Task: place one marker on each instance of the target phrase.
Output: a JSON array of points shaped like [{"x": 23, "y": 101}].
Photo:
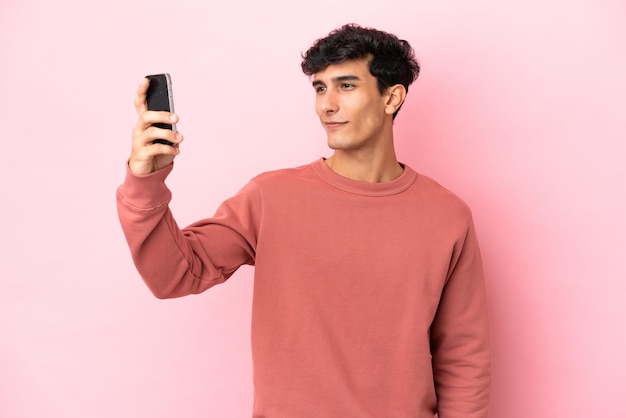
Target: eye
[
  {"x": 320, "y": 89},
  {"x": 347, "y": 86}
]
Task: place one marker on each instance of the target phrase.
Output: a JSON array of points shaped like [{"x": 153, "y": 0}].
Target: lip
[{"x": 333, "y": 125}]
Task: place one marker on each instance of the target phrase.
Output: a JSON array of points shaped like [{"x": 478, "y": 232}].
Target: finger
[
  {"x": 145, "y": 160},
  {"x": 162, "y": 148},
  {"x": 140, "y": 99},
  {"x": 154, "y": 133},
  {"x": 150, "y": 117}
]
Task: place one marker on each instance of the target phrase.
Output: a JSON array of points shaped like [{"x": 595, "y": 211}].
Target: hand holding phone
[
  {"x": 147, "y": 154},
  {"x": 159, "y": 97}
]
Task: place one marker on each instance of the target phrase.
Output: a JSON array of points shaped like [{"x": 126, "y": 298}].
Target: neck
[{"x": 374, "y": 168}]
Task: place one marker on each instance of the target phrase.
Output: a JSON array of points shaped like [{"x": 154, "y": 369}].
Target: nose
[{"x": 327, "y": 103}]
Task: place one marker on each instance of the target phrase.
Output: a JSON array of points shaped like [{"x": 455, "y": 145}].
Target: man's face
[{"x": 350, "y": 106}]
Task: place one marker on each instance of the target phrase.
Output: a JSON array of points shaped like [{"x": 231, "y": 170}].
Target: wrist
[{"x": 140, "y": 168}]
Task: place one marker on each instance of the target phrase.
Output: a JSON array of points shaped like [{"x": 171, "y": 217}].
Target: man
[{"x": 368, "y": 294}]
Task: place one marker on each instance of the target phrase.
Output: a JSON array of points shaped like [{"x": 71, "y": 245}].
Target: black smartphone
[{"x": 159, "y": 97}]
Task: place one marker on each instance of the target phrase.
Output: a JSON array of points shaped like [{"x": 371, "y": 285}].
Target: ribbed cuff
[{"x": 146, "y": 192}]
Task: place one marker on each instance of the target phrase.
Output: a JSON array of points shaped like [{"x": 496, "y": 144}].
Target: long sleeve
[
  {"x": 175, "y": 262},
  {"x": 460, "y": 338}
]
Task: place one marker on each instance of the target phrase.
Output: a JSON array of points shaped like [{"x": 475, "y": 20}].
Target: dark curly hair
[{"x": 393, "y": 60}]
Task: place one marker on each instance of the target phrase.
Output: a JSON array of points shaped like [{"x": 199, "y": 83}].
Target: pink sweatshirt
[{"x": 369, "y": 298}]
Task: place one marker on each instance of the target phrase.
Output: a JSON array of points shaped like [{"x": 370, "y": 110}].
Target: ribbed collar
[{"x": 386, "y": 188}]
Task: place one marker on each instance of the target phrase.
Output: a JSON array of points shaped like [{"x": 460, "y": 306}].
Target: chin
[
  {"x": 338, "y": 143},
  {"x": 347, "y": 146}
]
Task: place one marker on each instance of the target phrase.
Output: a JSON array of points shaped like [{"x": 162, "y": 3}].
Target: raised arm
[{"x": 173, "y": 261}]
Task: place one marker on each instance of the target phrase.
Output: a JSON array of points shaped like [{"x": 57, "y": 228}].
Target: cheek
[
  {"x": 367, "y": 107},
  {"x": 372, "y": 116}
]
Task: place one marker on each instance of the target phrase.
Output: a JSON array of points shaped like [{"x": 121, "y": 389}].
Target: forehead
[{"x": 358, "y": 68}]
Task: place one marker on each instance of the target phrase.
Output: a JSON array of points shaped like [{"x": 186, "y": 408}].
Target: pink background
[{"x": 520, "y": 109}]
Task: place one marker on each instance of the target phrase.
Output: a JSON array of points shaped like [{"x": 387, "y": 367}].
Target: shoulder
[
  {"x": 284, "y": 177},
  {"x": 439, "y": 198}
]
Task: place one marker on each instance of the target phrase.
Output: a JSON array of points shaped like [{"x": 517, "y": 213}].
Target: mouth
[{"x": 333, "y": 125}]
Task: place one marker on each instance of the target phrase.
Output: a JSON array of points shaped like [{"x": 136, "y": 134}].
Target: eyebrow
[{"x": 336, "y": 80}]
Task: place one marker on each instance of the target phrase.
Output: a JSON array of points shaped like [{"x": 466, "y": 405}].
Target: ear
[{"x": 395, "y": 97}]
